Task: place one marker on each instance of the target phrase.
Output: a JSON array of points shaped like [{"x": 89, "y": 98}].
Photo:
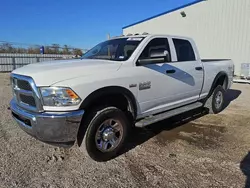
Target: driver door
[{"x": 154, "y": 87}]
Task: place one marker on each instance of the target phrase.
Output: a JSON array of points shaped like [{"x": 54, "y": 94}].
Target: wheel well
[
  {"x": 115, "y": 96},
  {"x": 222, "y": 81},
  {"x": 117, "y": 100}
]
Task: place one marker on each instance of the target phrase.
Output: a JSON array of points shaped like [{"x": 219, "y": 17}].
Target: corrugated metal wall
[
  {"x": 221, "y": 28},
  {"x": 9, "y": 62}
]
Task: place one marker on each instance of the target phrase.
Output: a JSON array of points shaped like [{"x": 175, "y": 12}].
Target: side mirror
[
  {"x": 159, "y": 53},
  {"x": 156, "y": 56},
  {"x": 151, "y": 61}
]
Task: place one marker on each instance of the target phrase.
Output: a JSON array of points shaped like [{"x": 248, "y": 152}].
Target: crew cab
[{"x": 123, "y": 82}]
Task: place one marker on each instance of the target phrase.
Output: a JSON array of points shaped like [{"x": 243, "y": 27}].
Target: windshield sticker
[
  {"x": 121, "y": 57},
  {"x": 135, "y": 39}
]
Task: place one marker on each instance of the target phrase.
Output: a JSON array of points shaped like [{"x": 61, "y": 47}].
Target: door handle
[
  {"x": 172, "y": 71},
  {"x": 198, "y": 68}
]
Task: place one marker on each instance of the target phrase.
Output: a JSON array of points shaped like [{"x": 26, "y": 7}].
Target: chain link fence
[{"x": 9, "y": 61}]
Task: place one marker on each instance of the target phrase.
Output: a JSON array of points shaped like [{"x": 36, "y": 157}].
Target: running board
[{"x": 155, "y": 118}]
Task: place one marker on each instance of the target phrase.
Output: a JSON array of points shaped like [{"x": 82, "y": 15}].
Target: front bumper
[{"x": 56, "y": 128}]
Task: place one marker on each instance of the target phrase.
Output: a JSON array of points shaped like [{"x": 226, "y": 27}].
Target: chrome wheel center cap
[
  {"x": 218, "y": 100},
  {"x": 108, "y": 134}
]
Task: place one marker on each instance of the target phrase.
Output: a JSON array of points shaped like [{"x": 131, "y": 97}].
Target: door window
[
  {"x": 160, "y": 44},
  {"x": 184, "y": 50}
]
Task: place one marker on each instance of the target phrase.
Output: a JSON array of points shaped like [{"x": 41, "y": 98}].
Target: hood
[{"x": 48, "y": 73}]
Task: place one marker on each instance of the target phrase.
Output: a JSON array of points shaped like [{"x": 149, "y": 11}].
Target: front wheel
[
  {"x": 106, "y": 133},
  {"x": 216, "y": 101}
]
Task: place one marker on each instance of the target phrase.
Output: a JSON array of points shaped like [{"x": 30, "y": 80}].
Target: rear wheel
[
  {"x": 216, "y": 101},
  {"x": 106, "y": 133}
]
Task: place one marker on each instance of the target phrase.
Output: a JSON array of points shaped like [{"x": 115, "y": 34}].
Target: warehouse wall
[{"x": 221, "y": 28}]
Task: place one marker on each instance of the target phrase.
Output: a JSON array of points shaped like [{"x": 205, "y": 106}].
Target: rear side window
[{"x": 184, "y": 50}]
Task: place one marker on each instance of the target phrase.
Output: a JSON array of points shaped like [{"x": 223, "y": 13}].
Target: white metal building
[{"x": 220, "y": 28}]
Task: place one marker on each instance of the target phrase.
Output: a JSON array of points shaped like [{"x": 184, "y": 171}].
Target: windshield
[{"x": 116, "y": 49}]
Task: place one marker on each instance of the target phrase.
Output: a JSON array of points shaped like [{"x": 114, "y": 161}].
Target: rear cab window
[{"x": 184, "y": 50}]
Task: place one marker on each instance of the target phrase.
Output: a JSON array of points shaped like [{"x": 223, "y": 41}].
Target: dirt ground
[{"x": 190, "y": 150}]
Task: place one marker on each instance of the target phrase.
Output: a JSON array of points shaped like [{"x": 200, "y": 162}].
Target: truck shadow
[
  {"x": 141, "y": 135},
  {"x": 231, "y": 95},
  {"x": 245, "y": 168}
]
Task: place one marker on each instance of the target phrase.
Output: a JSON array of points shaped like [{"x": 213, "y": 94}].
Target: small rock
[
  {"x": 51, "y": 159},
  {"x": 172, "y": 155},
  {"x": 45, "y": 185},
  {"x": 14, "y": 183},
  {"x": 60, "y": 158},
  {"x": 54, "y": 158},
  {"x": 47, "y": 158}
]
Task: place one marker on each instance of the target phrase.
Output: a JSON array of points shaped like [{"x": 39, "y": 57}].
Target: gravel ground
[{"x": 191, "y": 150}]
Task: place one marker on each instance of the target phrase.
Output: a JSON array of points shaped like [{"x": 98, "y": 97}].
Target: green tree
[
  {"x": 33, "y": 50},
  {"x": 6, "y": 48},
  {"x": 21, "y": 50},
  {"x": 77, "y": 51},
  {"x": 55, "y": 48},
  {"x": 48, "y": 50},
  {"x": 65, "y": 50}
]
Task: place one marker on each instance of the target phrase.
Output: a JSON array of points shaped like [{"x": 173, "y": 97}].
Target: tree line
[{"x": 53, "y": 49}]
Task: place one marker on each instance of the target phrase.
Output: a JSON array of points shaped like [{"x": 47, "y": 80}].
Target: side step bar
[{"x": 155, "y": 118}]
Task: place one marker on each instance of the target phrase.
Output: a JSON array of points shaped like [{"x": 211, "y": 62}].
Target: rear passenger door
[{"x": 188, "y": 71}]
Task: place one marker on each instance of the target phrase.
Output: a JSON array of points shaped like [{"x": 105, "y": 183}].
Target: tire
[
  {"x": 102, "y": 131},
  {"x": 216, "y": 102}
]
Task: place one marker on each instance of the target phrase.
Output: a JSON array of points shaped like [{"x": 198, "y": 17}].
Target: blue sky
[{"x": 78, "y": 23}]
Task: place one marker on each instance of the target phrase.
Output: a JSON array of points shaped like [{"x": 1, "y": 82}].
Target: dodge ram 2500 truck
[{"x": 120, "y": 83}]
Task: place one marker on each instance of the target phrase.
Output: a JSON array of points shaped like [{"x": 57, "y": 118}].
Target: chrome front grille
[
  {"x": 22, "y": 84},
  {"x": 26, "y": 93},
  {"x": 29, "y": 100}
]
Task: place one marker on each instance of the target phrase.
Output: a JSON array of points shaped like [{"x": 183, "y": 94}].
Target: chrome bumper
[{"x": 57, "y": 128}]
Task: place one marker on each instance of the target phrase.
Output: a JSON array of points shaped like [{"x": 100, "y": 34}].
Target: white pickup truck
[{"x": 120, "y": 83}]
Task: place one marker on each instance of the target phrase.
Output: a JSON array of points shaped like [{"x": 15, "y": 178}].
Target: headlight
[{"x": 59, "y": 96}]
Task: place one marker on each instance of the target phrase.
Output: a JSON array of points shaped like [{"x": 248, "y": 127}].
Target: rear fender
[{"x": 215, "y": 82}]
